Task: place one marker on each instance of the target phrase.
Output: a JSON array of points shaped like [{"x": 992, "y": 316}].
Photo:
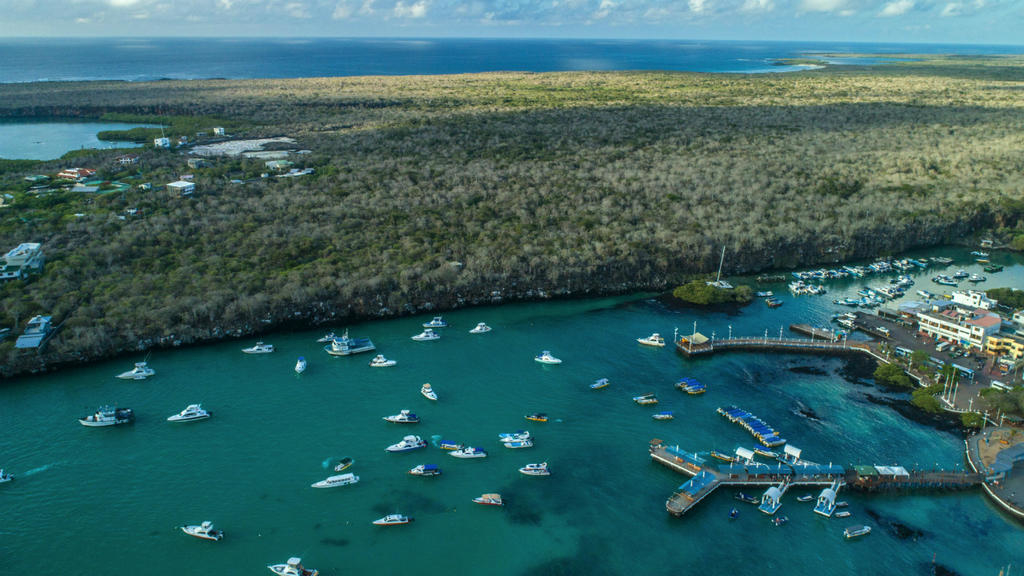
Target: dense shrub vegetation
[{"x": 699, "y": 292}]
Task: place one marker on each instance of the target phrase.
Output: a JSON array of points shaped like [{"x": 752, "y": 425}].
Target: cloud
[
  {"x": 296, "y": 10},
  {"x": 951, "y": 9},
  {"x": 821, "y": 5},
  {"x": 897, "y": 8},
  {"x": 698, "y": 6},
  {"x": 758, "y": 6},
  {"x": 417, "y": 10},
  {"x": 122, "y": 3},
  {"x": 604, "y": 9},
  {"x": 342, "y": 11}
]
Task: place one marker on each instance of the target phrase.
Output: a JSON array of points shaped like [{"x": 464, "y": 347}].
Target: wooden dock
[{"x": 793, "y": 345}]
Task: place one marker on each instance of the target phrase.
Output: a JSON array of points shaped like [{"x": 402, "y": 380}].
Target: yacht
[
  {"x": 403, "y": 417},
  {"x": 652, "y": 340},
  {"x": 489, "y": 500},
  {"x": 392, "y": 520},
  {"x": 437, "y": 322},
  {"x": 481, "y": 328},
  {"x": 428, "y": 392},
  {"x": 140, "y": 372},
  {"x": 599, "y": 383},
  {"x": 5, "y": 477},
  {"x": 292, "y": 568},
  {"x": 206, "y": 531},
  {"x": 346, "y": 346},
  {"x": 537, "y": 417},
  {"x": 407, "y": 443},
  {"x": 536, "y": 469},
  {"x": 379, "y": 361},
  {"x": 513, "y": 436},
  {"x": 108, "y": 416},
  {"x": 335, "y": 481},
  {"x": 426, "y": 470},
  {"x": 300, "y": 365},
  {"x": 524, "y": 443},
  {"x": 426, "y": 336},
  {"x": 344, "y": 463},
  {"x": 545, "y": 357},
  {"x": 193, "y": 412},
  {"x": 855, "y": 531},
  {"x": 259, "y": 348},
  {"x": 468, "y": 452},
  {"x": 326, "y": 338},
  {"x": 666, "y": 415}
]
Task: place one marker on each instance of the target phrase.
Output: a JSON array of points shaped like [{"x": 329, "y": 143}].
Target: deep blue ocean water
[{"x": 137, "y": 59}]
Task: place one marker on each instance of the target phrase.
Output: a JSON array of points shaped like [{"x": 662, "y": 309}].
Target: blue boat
[
  {"x": 600, "y": 383},
  {"x": 449, "y": 445},
  {"x": 733, "y": 514}
]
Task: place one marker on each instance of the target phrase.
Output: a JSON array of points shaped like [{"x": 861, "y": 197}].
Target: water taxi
[
  {"x": 525, "y": 443},
  {"x": 537, "y": 417},
  {"x": 336, "y": 481},
  {"x": 437, "y": 322},
  {"x": 300, "y": 365},
  {"x": 426, "y": 470},
  {"x": 379, "y": 361},
  {"x": 468, "y": 452},
  {"x": 449, "y": 445},
  {"x": 344, "y": 463},
  {"x": 600, "y": 383},
  {"x": 535, "y": 469},
  {"x": 392, "y": 520},
  {"x": 480, "y": 328},
  {"x": 259, "y": 348},
  {"x": 426, "y": 336},
  {"x": 666, "y": 415},
  {"x": 403, "y": 417},
  {"x": 346, "y": 346},
  {"x": 855, "y": 531},
  {"x": 192, "y": 412},
  {"x": 428, "y": 392},
  {"x": 292, "y": 568},
  {"x": 722, "y": 456},
  {"x": 205, "y": 531},
  {"x": 489, "y": 500},
  {"x": 407, "y": 443},
  {"x": 652, "y": 340},
  {"x": 545, "y": 357},
  {"x": 108, "y": 416},
  {"x": 140, "y": 372},
  {"x": 646, "y": 399}
]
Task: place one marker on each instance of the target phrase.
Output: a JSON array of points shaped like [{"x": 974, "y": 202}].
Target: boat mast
[{"x": 720, "y": 262}]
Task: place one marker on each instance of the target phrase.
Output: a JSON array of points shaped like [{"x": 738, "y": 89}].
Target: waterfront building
[
  {"x": 968, "y": 328},
  {"x": 183, "y": 187},
  {"x": 1005, "y": 345},
  {"x": 973, "y": 299},
  {"x": 27, "y": 258}
]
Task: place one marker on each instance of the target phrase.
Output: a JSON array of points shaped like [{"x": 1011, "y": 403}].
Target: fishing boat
[
  {"x": 426, "y": 336},
  {"x": 600, "y": 383},
  {"x": 392, "y": 520},
  {"x": 527, "y": 443},
  {"x": 944, "y": 280},
  {"x": 403, "y": 417},
  {"x": 489, "y": 500},
  {"x": 292, "y": 568},
  {"x": 722, "y": 456},
  {"x": 407, "y": 443},
  {"x": 646, "y": 399},
  {"x": 5, "y": 477},
  {"x": 346, "y": 346},
  {"x": 666, "y": 415},
  {"x": 193, "y": 412},
  {"x": 426, "y": 470},
  {"x": 513, "y": 436},
  {"x": 336, "y": 481},
  {"x": 805, "y": 498},
  {"x": 428, "y": 392},
  {"x": 734, "y": 514},
  {"x": 652, "y": 340},
  {"x": 468, "y": 452},
  {"x": 206, "y": 531},
  {"x": 744, "y": 497},
  {"x": 379, "y": 361},
  {"x": 326, "y": 338},
  {"x": 344, "y": 463},
  {"x": 108, "y": 416},
  {"x": 140, "y": 372},
  {"x": 535, "y": 469},
  {"x": 449, "y": 445},
  {"x": 545, "y": 357},
  {"x": 537, "y": 417},
  {"x": 437, "y": 322},
  {"x": 300, "y": 365},
  {"x": 480, "y": 328},
  {"x": 259, "y": 348},
  {"x": 855, "y": 531},
  {"x": 842, "y": 514}
]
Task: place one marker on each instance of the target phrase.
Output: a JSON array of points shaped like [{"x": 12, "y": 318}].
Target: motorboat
[
  {"x": 326, "y": 338},
  {"x": 536, "y": 469},
  {"x": 140, "y": 372},
  {"x": 744, "y": 497},
  {"x": 437, "y": 322},
  {"x": 392, "y": 520},
  {"x": 407, "y": 443},
  {"x": 855, "y": 531},
  {"x": 527, "y": 443},
  {"x": 545, "y": 357},
  {"x": 259, "y": 348},
  {"x": 765, "y": 452},
  {"x": 489, "y": 500},
  {"x": 468, "y": 452},
  {"x": 108, "y": 416},
  {"x": 345, "y": 463},
  {"x": 426, "y": 336},
  {"x": 537, "y": 417},
  {"x": 336, "y": 481},
  {"x": 5, "y": 477},
  {"x": 426, "y": 470},
  {"x": 379, "y": 361},
  {"x": 514, "y": 436},
  {"x": 646, "y": 399},
  {"x": 666, "y": 415},
  {"x": 449, "y": 445},
  {"x": 805, "y": 498},
  {"x": 773, "y": 302},
  {"x": 193, "y": 412},
  {"x": 480, "y": 328},
  {"x": 842, "y": 514},
  {"x": 979, "y": 254},
  {"x": 976, "y": 278},
  {"x": 292, "y": 568},
  {"x": 346, "y": 346},
  {"x": 206, "y": 531},
  {"x": 722, "y": 456},
  {"x": 960, "y": 274},
  {"x": 428, "y": 392},
  {"x": 652, "y": 340},
  {"x": 600, "y": 383},
  {"x": 300, "y": 365},
  {"x": 403, "y": 417},
  {"x": 734, "y": 514}
]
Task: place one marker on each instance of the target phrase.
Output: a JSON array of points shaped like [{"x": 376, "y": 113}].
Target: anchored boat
[
  {"x": 108, "y": 416},
  {"x": 259, "y": 348},
  {"x": 652, "y": 340},
  {"x": 292, "y": 568},
  {"x": 489, "y": 500},
  {"x": 392, "y": 520},
  {"x": 336, "y": 481},
  {"x": 204, "y": 531},
  {"x": 346, "y": 346},
  {"x": 140, "y": 372}
]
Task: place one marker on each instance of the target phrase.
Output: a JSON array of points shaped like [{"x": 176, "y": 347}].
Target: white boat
[
  {"x": 536, "y": 469},
  {"x": 346, "y": 346},
  {"x": 407, "y": 443},
  {"x": 468, "y": 452},
  {"x": 599, "y": 383},
  {"x": 428, "y": 392},
  {"x": 426, "y": 470},
  {"x": 205, "y": 531},
  {"x": 5, "y": 477},
  {"x": 666, "y": 415},
  {"x": 140, "y": 372},
  {"x": 403, "y": 417},
  {"x": 437, "y": 322},
  {"x": 545, "y": 357},
  {"x": 344, "y": 463},
  {"x": 259, "y": 348},
  {"x": 976, "y": 278},
  {"x": 193, "y": 412},
  {"x": 527, "y": 443},
  {"x": 300, "y": 365},
  {"x": 652, "y": 340},
  {"x": 842, "y": 514},
  {"x": 326, "y": 338},
  {"x": 855, "y": 531},
  {"x": 335, "y": 481},
  {"x": 379, "y": 361},
  {"x": 108, "y": 416},
  {"x": 481, "y": 328},
  {"x": 392, "y": 520},
  {"x": 426, "y": 336},
  {"x": 292, "y": 568},
  {"x": 489, "y": 500},
  {"x": 516, "y": 436}
]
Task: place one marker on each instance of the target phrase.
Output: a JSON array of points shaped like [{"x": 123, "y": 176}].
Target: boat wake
[
  {"x": 327, "y": 463},
  {"x": 435, "y": 440},
  {"x": 40, "y": 469}
]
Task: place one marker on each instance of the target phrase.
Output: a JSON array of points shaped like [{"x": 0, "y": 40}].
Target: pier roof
[
  {"x": 698, "y": 483},
  {"x": 815, "y": 469}
]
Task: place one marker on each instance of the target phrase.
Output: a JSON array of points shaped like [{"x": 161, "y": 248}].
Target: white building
[
  {"x": 1018, "y": 318},
  {"x": 19, "y": 262},
  {"x": 183, "y": 187},
  {"x": 218, "y": 131},
  {"x": 162, "y": 142},
  {"x": 968, "y": 328},
  {"x": 973, "y": 299}
]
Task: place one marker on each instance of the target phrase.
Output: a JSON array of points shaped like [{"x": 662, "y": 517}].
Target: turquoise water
[
  {"x": 98, "y": 497},
  {"x": 51, "y": 140}
]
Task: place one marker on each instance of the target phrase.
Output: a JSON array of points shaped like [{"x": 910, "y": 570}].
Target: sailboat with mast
[{"x": 719, "y": 283}]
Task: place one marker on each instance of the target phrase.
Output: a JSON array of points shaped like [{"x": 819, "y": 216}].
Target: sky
[{"x": 930, "y": 21}]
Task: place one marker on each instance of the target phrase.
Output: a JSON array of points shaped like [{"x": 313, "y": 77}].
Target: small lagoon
[{"x": 52, "y": 139}]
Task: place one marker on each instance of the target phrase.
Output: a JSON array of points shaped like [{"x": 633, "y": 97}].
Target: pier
[{"x": 698, "y": 345}]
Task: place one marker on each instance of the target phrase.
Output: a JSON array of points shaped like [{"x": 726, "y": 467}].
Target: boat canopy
[
  {"x": 818, "y": 469},
  {"x": 892, "y": 470},
  {"x": 744, "y": 453},
  {"x": 793, "y": 451},
  {"x": 773, "y": 494}
]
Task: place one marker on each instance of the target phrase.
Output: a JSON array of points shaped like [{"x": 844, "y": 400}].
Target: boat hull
[{"x": 196, "y": 532}]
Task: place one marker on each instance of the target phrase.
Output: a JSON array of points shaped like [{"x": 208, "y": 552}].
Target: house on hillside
[
  {"x": 218, "y": 131},
  {"x": 26, "y": 259},
  {"x": 36, "y": 332},
  {"x": 196, "y": 163},
  {"x": 76, "y": 174},
  {"x": 182, "y": 187},
  {"x": 162, "y": 142},
  {"x": 279, "y": 165},
  {"x": 127, "y": 159}
]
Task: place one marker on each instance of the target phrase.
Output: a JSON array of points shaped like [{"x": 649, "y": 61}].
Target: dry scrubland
[{"x": 581, "y": 182}]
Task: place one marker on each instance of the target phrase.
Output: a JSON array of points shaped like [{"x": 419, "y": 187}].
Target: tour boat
[
  {"x": 513, "y": 436},
  {"x": 426, "y": 336},
  {"x": 346, "y": 346},
  {"x": 805, "y": 498},
  {"x": 403, "y": 417},
  {"x": 600, "y": 383},
  {"x": 108, "y": 416},
  {"x": 140, "y": 372},
  {"x": 722, "y": 456},
  {"x": 489, "y": 500},
  {"x": 545, "y": 357},
  {"x": 193, "y": 412},
  {"x": 392, "y": 520},
  {"x": 537, "y": 417},
  {"x": 205, "y": 531},
  {"x": 407, "y": 443},
  {"x": 292, "y": 568},
  {"x": 842, "y": 514},
  {"x": 379, "y": 361},
  {"x": 259, "y": 348},
  {"x": 345, "y": 463},
  {"x": 468, "y": 452},
  {"x": 300, "y": 365},
  {"x": 855, "y": 531},
  {"x": 536, "y": 469},
  {"x": 526, "y": 443},
  {"x": 437, "y": 322},
  {"x": 645, "y": 399},
  {"x": 652, "y": 340},
  {"x": 666, "y": 415},
  {"x": 481, "y": 328},
  {"x": 5, "y": 477},
  {"x": 743, "y": 497},
  {"x": 428, "y": 392},
  {"x": 449, "y": 445},
  {"x": 335, "y": 481},
  {"x": 326, "y": 338},
  {"x": 426, "y": 470}
]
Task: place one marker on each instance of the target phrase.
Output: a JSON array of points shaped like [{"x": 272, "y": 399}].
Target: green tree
[
  {"x": 925, "y": 401},
  {"x": 892, "y": 375},
  {"x": 919, "y": 359},
  {"x": 972, "y": 420}
]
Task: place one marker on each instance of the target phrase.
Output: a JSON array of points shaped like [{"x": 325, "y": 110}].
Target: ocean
[
  {"x": 87, "y": 497},
  {"x": 138, "y": 59}
]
